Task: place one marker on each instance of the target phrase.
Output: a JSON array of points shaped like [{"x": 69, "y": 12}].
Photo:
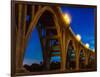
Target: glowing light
[
  {"x": 78, "y": 37},
  {"x": 67, "y": 18},
  {"x": 87, "y": 45}
]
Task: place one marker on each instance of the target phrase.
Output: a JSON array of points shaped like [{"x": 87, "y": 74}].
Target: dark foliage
[{"x": 40, "y": 67}]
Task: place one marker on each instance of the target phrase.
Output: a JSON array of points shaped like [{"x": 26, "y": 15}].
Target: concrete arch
[
  {"x": 37, "y": 17},
  {"x": 91, "y": 54},
  {"x": 91, "y": 60},
  {"x": 68, "y": 45},
  {"x": 73, "y": 45},
  {"x": 84, "y": 53},
  {"x": 79, "y": 57}
]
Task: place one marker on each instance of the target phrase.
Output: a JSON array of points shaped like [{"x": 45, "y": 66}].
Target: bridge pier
[
  {"x": 77, "y": 63},
  {"x": 20, "y": 38},
  {"x": 86, "y": 61},
  {"x": 63, "y": 60},
  {"x": 77, "y": 57}
]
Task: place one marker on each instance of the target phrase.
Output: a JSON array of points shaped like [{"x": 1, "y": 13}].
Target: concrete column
[
  {"x": 21, "y": 42},
  {"x": 33, "y": 12},
  {"x": 63, "y": 55},
  {"x": 86, "y": 56},
  {"x": 62, "y": 35},
  {"x": 18, "y": 38},
  {"x": 77, "y": 58},
  {"x": 66, "y": 51},
  {"x": 47, "y": 58}
]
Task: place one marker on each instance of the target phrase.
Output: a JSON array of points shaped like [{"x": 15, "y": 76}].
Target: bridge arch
[
  {"x": 82, "y": 58},
  {"x": 34, "y": 23},
  {"x": 91, "y": 60},
  {"x": 36, "y": 18},
  {"x": 70, "y": 55}
]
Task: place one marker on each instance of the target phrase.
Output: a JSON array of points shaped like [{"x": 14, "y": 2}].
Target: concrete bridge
[{"x": 57, "y": 34}]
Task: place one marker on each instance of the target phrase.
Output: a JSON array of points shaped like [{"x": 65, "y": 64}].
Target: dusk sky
[{"x": 82, "y": 23}]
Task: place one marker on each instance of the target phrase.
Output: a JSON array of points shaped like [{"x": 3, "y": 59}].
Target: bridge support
[
  {"x": 63, "y": 60},
  {"x": 20, "y": 37},
  {"x": 86, "y": 61},
  {"x": 77, "y": 63},
  {"x": 77, "y": 58}
]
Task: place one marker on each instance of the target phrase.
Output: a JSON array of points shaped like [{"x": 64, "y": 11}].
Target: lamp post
[
  {"x": 87, "y": 45},
  {"x": 67, "y": 18},
  {"x": 78, "y": 37}
]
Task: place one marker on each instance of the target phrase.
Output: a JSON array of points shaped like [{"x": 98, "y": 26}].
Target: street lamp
[
  {"x": 87, "y": 45},
  {"x": 78, "y": 37},
  {"x": 67, "y": 18}
]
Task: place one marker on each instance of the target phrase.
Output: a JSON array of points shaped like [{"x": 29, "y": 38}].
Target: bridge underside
[{"x": 56, "y": 39}]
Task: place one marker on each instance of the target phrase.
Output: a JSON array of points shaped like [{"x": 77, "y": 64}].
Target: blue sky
[{"x": 82, "y": 22}]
